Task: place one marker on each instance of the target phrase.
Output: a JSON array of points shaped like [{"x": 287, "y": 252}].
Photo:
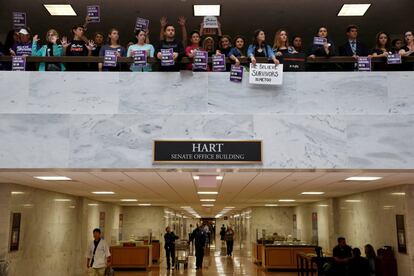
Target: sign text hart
[{"x": 207, "y": 151}]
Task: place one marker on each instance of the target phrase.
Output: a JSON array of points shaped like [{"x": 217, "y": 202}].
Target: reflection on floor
[{"x": 215, "y": 264}]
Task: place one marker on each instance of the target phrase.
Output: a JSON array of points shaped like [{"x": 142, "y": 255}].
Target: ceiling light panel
[
  {"x": 354, "y": 9},
  {"x": 60, "y": 9}
]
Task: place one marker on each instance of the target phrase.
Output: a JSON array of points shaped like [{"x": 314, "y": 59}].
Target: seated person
[
  {"x": 341, "y": 253},
  {"x": 358, "y": 266}
]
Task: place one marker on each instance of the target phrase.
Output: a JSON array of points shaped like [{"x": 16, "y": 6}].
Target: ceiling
[
  {"x": 301, "y": 17},
  {"x": 240, "y": 188}
]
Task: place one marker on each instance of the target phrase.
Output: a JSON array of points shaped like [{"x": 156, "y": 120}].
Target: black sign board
[
  {"x": 401, "y": 238},
  {"x": 293, "y": 62},
  {"x": 207, "y": 151}
]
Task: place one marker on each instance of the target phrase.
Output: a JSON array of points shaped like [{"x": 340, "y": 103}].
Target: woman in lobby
[
  {"x": 141, "y": 45},
  {"x": 408, "y": 49},
  {"x": 169, "y": 246},
  {"x": 229, "y": 240},
  {"x": 238, "y": 51},
  {"x": 113, "y": 45},
  {"x": 259, "y": 48}
]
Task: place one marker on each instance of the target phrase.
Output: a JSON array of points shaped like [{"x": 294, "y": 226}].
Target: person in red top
[{"x": 194, "y": 46}]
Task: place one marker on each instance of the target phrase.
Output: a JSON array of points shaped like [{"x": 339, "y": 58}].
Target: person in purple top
[{"x": 23, "y": 47}]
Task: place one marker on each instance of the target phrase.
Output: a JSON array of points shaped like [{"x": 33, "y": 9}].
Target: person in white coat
[{"x": 98, "y": 255}]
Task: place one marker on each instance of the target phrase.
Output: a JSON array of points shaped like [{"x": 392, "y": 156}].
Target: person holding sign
[
  {"x": 224, "y": 45},
  {"x": 141, "y": 45},
  {"x": 238, "y": 51},
  {"x": 170, "y": 42},
  {"x": 353, "y": 47},
  {"x": 322, "y": 47},
  {"x": 260, "y": 48},
  {"x": 195, "y": 46},
  {"x": 181, "y": 21},
  {"x": 23, "y": 47},
  {"x": 50, "y": 49},
  {"x": 281, "y": 44},
  {"x": 113, "y": 45}
]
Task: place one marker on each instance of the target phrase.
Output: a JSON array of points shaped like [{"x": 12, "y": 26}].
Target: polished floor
[{"x": 215, "y": 264}]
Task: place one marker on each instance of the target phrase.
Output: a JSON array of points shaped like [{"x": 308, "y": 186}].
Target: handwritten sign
[
  {"x": 394, "y": 59},
  {"x": 19, "y": 20},
  {"x": 219, "y": 63},
  {"x": 18, "y": 63},
  {"x": 210, "y": 22},
  {"x": 142, "y": 24},
  {"x": 200, "y": 60},
  {"x": 140, "y": 57},
  {"x": 236, "y": 73},
  {"x": 364, "y": 64},
  {"x": 110, "y": 58},
  {"x": 94, "y": 13},
  {"x": 167, "y": 57},
  {"x": 266, "y": 74}
]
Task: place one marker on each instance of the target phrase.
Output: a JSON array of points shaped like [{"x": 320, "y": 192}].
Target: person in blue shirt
[
  {"x": 238, "y": 51},
  {"x": 50, "y": 49},
  {"x": 259, "y": 48}
]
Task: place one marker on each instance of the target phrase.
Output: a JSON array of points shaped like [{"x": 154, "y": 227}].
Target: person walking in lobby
[
  {"x": 199, "y": 237},
  {"x": 229, "y": 240},
  {"x": 98, "y": 255},
  {"x": 169, "y": 246}
]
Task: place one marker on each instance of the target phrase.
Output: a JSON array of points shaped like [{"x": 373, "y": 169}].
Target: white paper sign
[
  {"x": 210, "y": 22},
  {"x": 266, "y": 74}
]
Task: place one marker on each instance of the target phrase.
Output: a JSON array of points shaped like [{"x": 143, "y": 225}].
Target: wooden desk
[
  {"x": 283, "y": 256},
  {"x": 131, "y": 257},
  {"x": 156, "y": 252},
  {"x": 257, "y": 252}
]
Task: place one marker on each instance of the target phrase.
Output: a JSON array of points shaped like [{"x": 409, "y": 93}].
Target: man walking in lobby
[
  {"x": 199, "y": 237},
  {"x": 98, "y": 255}
]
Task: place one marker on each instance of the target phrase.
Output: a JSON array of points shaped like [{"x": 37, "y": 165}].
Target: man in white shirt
[{"x": 98, "y": 255}]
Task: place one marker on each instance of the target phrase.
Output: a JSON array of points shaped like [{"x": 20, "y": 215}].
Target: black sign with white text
[{"x": 220, "y": 151}]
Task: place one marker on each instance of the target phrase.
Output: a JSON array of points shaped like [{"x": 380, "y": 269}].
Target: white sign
[
  {"x": 210, "y": 22},
  {"x": 266, "y": 74}
]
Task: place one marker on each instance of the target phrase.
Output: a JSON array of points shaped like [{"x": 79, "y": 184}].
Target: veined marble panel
[
  {"x": 401, "y": 92},
  {"x": 166, "y": 93}
]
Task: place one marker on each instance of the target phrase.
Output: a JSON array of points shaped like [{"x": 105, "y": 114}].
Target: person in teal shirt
[
  {"x": 144, "y": 46},
  {"x": 47, "y": 50}
]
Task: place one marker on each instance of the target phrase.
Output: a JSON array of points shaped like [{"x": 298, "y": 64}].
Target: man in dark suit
[
  {"x": 353, "y": 47},
  {"x": 199, "y": 238}
]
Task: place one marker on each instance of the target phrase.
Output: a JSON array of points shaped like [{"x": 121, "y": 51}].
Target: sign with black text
[
  {"x": 266, "y": 74},
  {"x": 142, "y": 24},
  {"x": 206, "y": 151},
  {"x": 210, "y": 22}
]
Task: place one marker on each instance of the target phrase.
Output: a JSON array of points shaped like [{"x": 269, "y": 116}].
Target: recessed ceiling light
[
  {"x": 286, "y": 200},
  {"x": 60, "y": 9},
  {"x": 144, "y": 204},
  {"x": 207, "y": 193},
  {"x": 353, "y": 9},
  {"x": 62, "y": 199},
  {"x": 207, "y": 200},
  {"x": 312, "y": 193},
  {"x": 129, "y": 200},
  {"x": 323, "y": 205},
  {"x": 206, "y": 10},
  {"x": 363, "y": 178},
  {"x": 196, "y": 177},
  {"x": 353, "y": 200},
  {"x": 93, "y": 204},
  {"x": 271, "y": 205},
  {"x": 230, "y": 207},
  {"x": 17, "y": 193},
  {"x": 207, "y": 205},
  {"x": 185, "y": 207},
  {"x": 219, "y": 177},
  {"x": 398, "y": 194},
  {"x": 53, "y": 178},
  {"x": 218, "y": 216},
  {"x": 103, "y": 193}
]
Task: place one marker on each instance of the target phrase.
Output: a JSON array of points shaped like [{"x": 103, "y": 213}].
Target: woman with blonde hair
[
  {"x": 50, "y": 49},
  {"x": 208, "y": 46},
  {"x": 281, "y": 44}
]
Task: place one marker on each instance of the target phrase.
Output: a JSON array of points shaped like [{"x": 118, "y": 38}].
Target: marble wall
[
  {"x": 271, "y": 219},
  {"x": 330, "y": 120},
  {"x": 364, "y": 218},
  {"x": 324, "y": 210},
  {"x": 55, "y": 230}
]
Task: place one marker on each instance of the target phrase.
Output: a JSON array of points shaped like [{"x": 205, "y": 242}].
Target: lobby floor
[{"x": 215, "y": 264}]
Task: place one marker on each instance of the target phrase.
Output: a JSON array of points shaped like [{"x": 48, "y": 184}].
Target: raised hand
[
  {"x": 90, "y": 45},
  {"x": 182, "y": 20},
  {"x": 164, "y": 21},
  {"x": 36, "y": 38}
]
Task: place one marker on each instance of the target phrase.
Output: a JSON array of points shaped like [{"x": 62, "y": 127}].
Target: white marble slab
[{"x": 401, "y": 92}]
